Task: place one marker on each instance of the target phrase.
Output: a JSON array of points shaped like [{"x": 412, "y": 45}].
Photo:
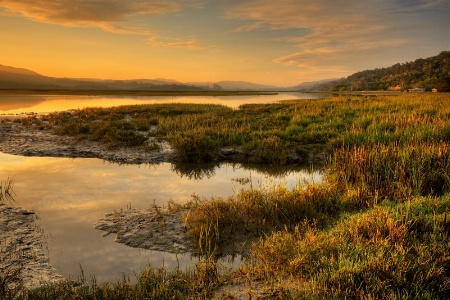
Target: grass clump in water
[
  {"x": 150, "y": 283},
  {"x": 257, "y": 211},
  {"x": 7, "y": 190}
]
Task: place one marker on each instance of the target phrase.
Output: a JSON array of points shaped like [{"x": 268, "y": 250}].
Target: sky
[{"x": 280, "y": 43}]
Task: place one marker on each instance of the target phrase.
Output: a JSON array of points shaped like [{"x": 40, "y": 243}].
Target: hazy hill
[
  {"x": 428, "y": 73},
  {"x": 13, "y": 70},
  {"x": 306, "y": 86},
  {"x": 235, "y": 86},
  {"x": 17, "y": 78}
]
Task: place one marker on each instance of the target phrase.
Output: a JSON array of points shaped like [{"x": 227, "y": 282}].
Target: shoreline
[
  {"x": 134, "y": 92},
  {"x": 18, "y": 139}
]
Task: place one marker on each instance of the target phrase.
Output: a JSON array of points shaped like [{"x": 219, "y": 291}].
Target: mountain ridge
[
  {"x": 21, "y": 78},
  {"x": 14, "y": 70}
]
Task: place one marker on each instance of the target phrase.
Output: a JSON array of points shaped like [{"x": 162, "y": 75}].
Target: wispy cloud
[
  {"x": 88, "y": 13},
  {"x": 109, "y": 15},
  {"x": 191, "y": 44},
  {"x": 337, "y": 33}
]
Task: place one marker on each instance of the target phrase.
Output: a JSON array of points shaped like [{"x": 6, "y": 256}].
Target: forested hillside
[{"x": 429, "y": 73}]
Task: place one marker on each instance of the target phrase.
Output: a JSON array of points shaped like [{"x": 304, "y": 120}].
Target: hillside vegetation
[{"x": 429, "y": 73}]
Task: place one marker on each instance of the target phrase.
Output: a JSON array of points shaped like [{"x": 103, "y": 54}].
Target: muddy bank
[
  {"x": 18, "y": 139},
  {"x": 22, "y": 247},
  {"x": 15, "y": 138},
  {"x": 148, "y": 229},
  {"x": 161, "y": 230}
]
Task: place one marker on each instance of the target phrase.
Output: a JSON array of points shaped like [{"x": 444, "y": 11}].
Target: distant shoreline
[{"x": 135, "y": 92}]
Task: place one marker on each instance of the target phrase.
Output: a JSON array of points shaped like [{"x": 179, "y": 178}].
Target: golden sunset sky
[{"x": 281, "y": 42}]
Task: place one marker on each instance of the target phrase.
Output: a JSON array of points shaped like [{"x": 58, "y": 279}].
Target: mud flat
[
  {"x": 148, "y": 229},
  {"x": 161, "y": 230},
  {"x": 15, "y": 138},
  {"x": 22, "y": 248}
]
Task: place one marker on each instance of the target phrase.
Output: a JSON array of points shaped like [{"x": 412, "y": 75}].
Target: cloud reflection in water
[{"x": 70, "y": 195}]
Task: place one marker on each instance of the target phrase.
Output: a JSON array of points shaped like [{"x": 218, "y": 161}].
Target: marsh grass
[
  {"x": 377, "y": 227},
  {"x": 150, "y": 283},
  {"x": 395, "y": 172},
  {"x": 254, "y": 212},
  {"x": 10, "y": 276},
  {"x": 7, "y": 190},
  {"x": 198, "y": 131},
  {"x": 389, "y": 252},
  {"x": 11, "y": 284}
]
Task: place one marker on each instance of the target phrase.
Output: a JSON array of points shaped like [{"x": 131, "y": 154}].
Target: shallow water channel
[{"x": 70, "y": 195}]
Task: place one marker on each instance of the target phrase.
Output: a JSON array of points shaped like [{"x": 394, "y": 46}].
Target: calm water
[
  {"x": 15, "y": 104},
  {"x": 69, "y": 195}
]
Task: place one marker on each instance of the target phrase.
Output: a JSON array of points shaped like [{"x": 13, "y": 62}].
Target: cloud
[
  {"x": 109, "y": 15},
  {"x": 341, "y": 33},
  {"x": 191, "y": 44},
  {"x": 417, "y": 5},
  {"x": 86, "y": 12}
]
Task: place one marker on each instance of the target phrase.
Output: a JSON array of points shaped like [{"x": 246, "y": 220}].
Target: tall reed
[
  {"x": 394, "y": 171},
  {"x": 377, "y": 254},
  {"x": 7, "y": 190}
]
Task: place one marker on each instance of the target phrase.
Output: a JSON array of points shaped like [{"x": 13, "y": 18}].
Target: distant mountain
[
  {"x": 235, "y": 86},
  {"x": 13, "y": 70},
  {"x": 16, "y": 78},
  {"x": 242, "y": 85},
  {"x": 156, "y": 81},
  {"x": 306, "y": 86},
  {"x": 428, "y": 73}
]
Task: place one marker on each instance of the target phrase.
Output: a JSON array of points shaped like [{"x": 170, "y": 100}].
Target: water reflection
[
  {"x": 14, "y": 104},
  {"x": 69, "y": 195},
  {"x": 195, "y": 171}
]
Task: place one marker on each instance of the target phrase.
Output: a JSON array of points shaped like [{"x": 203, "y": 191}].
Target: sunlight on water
[
  {"x": 70, "y": 195},
  {"x": 16, "y": 104}
]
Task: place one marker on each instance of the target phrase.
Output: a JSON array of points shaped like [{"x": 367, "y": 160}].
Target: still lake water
[
  {"x": 16, "y": 104},
  {"x": 70, "y": 195}
]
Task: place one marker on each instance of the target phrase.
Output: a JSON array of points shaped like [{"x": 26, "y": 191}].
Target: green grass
[
  {"x": 376, "y": 228},
  {"x": 388, "y": 252},
  {"x": 198, "y": 132}
]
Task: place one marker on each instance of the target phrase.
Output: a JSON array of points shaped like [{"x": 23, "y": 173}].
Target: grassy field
[{"x": 377, "y": 227}]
